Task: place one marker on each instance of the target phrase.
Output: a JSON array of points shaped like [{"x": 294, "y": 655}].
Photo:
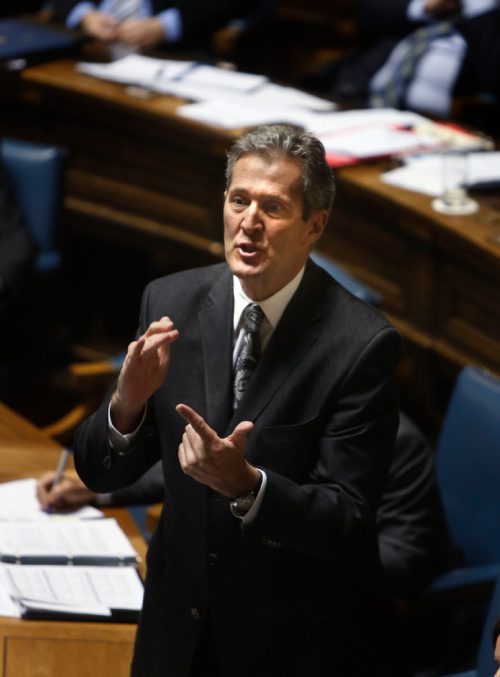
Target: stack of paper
[
  {"x": 36, "y": 550},
  {"x": 62, "y": 592}
]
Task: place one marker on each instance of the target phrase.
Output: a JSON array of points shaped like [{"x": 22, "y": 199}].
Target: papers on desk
[
  {"x": 18, "y": 501},
  {"x": 80, "y": 542},
  {"x": 83, "y": 593},
  {"x": 36, "y": 549},
  {"x": 224, "y": 98},
  {"x": 136, "y": 70},
  {"x": 233, "y": 100},
  {"x": 187, "y": 79},
  {"x": 425, "y": 175}
]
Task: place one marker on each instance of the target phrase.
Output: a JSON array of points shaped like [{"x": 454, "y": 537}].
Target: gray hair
[{"x": 270, "y": 141}]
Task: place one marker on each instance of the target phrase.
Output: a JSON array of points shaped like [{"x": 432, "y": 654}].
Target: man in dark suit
[
  {"x": 265, "y": 560},
  {"x": 148, "y": 23}
]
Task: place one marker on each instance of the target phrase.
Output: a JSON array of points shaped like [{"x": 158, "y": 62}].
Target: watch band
[{"x": 240, "y": 505}]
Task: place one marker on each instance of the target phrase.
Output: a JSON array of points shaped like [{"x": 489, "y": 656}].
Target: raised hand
[
  {"x": 143, "y": 372},
  {"x": 219, "y": 463}
]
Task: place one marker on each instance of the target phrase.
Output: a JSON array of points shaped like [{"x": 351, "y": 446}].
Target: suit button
[
  {"x": 106, "y": 461},
  {"x": 212, "y": 559},
  {"x": 195, "y": 613}
]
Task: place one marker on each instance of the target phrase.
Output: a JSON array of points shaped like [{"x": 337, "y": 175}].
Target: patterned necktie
[
  {"x": 249, "y": 354},
  {"x": 390, "y": 84},
  {"x": 124, "y": 9}
]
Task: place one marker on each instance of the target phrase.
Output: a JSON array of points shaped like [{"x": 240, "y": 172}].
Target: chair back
[
  {"x": 468, "y": 466},
  {"x": 486, "y": 666},
  {"x": 347, "y": 280},
  {"x": 37, "y": 171}
]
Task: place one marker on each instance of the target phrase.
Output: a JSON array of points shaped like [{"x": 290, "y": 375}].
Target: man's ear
[{"x": 317, "y": 224}]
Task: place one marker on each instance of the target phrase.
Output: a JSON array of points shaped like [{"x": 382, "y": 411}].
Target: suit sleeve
[
  {"x": 409, "y": 517},
  {"x": 333, "y": 514},
  {"x": 98, "y": 464},
  {"x": 62, "y": 8},
  {"x": 148, "y": 489},
  {"x": 200, "y": 18}
]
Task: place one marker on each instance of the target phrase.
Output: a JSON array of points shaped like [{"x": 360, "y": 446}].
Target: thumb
[{"x": 239, "y": 435}]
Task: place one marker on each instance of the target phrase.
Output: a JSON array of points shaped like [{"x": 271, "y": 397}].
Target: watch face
[{"x": 241, "y": 505}]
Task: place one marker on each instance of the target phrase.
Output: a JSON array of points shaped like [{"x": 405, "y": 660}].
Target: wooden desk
[
  {"x": 139, "y": 174},
  {"x": 49, "y": 648},
  {"x": 439, "y": 276},
  {"x": 136, "y": 169}
]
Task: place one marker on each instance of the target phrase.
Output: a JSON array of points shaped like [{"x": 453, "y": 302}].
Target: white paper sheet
[
  {"x": 18, "y": 501},
  {"x": 425, "y": 174}
]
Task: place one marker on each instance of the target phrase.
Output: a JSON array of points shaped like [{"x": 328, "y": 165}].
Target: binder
[
  {"x": 61, "y": 542},
  {"x": 69, "y": 569},
  {"x": 60, "y": 592}
]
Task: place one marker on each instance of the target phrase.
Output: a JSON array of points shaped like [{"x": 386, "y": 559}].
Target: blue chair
[
  {"x": 37, "y": 172},
  {"x": 347, "y": 280},
  {"x": 486, "y": 662},
  {"x": 468, "y": 472}
]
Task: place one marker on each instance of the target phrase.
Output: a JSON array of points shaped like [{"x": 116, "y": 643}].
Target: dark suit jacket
[
  {"x": 413, "y": 539},
  {"x": 299, "y": 591},
  {"x": 199, "y": 17}
]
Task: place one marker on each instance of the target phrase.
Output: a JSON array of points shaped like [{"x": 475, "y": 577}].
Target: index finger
[{"x": 197, "y": 422}]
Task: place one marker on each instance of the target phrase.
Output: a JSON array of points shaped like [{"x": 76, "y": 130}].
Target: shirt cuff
[
  {"x": 75, "y": 17},
  {"x": 171, "y": 22},
  {"x": 121, "y": 443},
  {"x": 472, "y": 8},
  {"x": 103, "y": 500},
  {"x": 252, "y": 513},
  {"x": 416, "y": 11}
]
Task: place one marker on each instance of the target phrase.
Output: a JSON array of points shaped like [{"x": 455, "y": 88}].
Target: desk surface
[{"x": 48, "y": 648}]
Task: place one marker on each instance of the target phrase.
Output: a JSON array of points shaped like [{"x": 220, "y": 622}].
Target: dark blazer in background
[
  {"x": 414, "y": 542},
  {"x": 300, "y": 590}
]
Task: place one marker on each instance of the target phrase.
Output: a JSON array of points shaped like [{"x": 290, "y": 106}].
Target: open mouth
[{"x": 247, "y": 248}]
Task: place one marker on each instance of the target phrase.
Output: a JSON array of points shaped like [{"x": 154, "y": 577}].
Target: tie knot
[{"x": 252, "y": 318}]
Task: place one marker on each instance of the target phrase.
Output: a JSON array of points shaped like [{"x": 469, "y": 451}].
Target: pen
[{"x": 61, "y": 466}]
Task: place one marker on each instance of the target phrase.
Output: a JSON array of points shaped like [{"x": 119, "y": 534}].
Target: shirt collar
[{"x": 273, "y": 307}]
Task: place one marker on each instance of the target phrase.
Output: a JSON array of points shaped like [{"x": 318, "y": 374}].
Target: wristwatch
[{"x": 240, "y": 505}]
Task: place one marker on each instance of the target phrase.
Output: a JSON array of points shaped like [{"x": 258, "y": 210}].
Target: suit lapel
[
  {"x": 283, "y": 356},
  {"x": 216, "y": 329}
]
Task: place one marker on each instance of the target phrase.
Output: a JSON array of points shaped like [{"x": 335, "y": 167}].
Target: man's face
[{"x": 266, "y": 238}]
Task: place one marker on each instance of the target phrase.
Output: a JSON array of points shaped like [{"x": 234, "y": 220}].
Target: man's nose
[{"x": 252, "y": 218}]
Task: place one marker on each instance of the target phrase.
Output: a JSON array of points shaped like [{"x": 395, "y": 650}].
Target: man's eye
[
  {"x": 238, "y": 201},
  {"x": 274, "y": 208}
]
